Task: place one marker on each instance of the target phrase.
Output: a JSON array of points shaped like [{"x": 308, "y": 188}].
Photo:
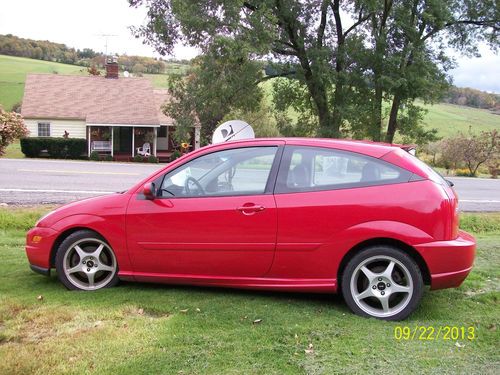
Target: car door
[{"x": 213, "y": 216}]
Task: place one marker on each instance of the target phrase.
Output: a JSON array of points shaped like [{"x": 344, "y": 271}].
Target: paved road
[{"x": 32, "y": 181}]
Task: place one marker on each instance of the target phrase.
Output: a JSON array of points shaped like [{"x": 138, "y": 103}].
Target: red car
[{"x": 314, "y": 215}]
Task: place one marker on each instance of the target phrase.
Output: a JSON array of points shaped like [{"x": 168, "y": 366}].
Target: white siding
[{"x": 75, "y": 128}]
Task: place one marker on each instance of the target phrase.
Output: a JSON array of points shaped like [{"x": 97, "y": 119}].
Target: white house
[{"x": 116, "y": 115}]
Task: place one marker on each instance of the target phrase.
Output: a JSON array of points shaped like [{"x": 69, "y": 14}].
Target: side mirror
[{"x": 149, "y": 191}]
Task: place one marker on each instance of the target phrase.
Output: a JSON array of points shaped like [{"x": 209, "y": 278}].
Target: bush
[
  {"x": 152, "y": 159},
  {"x": 175, "y": 155},
  {"x": 57, "y": 148},
  {"x": 94, "y": 155},
  {"x": 107, "y": 158},
  {"x": 138, "y": 159},
  {"x": 463, "y": 172}
]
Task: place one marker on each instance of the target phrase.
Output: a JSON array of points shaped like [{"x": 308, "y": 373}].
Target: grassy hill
[
  {"x": 447, "y": 118},
  {"x": 13, "y": 72}
]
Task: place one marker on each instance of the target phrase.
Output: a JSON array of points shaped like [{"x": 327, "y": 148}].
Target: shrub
[
  {"x": 463, "y": 172},
  {"x": 11, "y": 127},
  {"x": 107, "y": 158},
  {"x": 59, "y": 148},
  {"x": 175, "y": 155},
  {"x": 138, "y": 159},
  {"x": 152, "y": 159},
  {"x": 94, "y": 155}
]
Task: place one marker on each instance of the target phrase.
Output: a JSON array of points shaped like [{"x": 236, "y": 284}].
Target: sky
[{"x": 82, "y": 24}]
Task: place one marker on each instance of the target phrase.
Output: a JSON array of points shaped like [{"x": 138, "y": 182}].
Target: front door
[{"x": 213, "y": 216}]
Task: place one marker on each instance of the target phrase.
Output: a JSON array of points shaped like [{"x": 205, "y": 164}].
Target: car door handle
[{"x": 250, "y": 209}]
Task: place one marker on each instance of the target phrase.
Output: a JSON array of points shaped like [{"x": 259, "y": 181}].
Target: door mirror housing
[{"x": 149, "y": 191}]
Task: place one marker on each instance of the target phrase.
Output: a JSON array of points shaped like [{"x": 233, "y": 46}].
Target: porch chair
[{"x": 145, "y": 150}]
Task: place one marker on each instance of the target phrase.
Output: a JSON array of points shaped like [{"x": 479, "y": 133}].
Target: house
[{"x": 116, "y": 115}]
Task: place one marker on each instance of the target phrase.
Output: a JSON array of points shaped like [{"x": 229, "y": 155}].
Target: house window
[
  {"x": 44, "y": 129},
  {"x": 162, "y": 132}
]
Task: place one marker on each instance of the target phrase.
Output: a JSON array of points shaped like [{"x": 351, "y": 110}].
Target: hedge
[{"x": 57, "y": 148}]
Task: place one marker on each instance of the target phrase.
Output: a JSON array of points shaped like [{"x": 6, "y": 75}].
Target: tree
[
  {"x": 11, "y": 128},
  {"x": 220, "y": 81},
  {"x": 340, "y": 60},
  {"x": 472, "y": 150}
]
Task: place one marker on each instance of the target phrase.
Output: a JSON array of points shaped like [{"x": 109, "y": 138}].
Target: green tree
[
  {"x": 218, "y": 82},
  {"x": 340, "y": 59}
]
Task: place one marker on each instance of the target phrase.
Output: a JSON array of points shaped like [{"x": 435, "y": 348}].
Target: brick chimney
[{"x": 112, "y": 67}]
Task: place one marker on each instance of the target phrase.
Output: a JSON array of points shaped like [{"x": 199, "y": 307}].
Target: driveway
[{"x": 35, "y": 181}]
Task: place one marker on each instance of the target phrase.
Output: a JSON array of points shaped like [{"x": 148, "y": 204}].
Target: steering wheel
[{"x": 200, "y": 191}]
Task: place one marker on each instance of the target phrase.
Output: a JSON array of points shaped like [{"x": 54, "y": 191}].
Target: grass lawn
[
  {"x": 13, "y": 151},
  {"x": 147, "y": 328}
]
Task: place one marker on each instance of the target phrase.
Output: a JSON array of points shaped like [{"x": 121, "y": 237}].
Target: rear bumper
[
  {"x": 449, "y": 262},
  {"x": 39, "y": 242}
]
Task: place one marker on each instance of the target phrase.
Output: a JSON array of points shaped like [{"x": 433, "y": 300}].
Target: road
[{"x": 34, "y": 181}]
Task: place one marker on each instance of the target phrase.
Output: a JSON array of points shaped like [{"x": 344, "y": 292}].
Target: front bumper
[
  {"x": 449, "y": 262},
  {"x": 39, "y": 242}
]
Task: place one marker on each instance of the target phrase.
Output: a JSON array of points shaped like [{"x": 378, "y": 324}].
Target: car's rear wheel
[
  {"x": 382, "y": 282},
  {"x": 85, "y": 261}
]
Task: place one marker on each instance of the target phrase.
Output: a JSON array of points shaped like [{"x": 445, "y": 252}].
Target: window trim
[
  {"x": 282, "y": 187},
  {"x": 47, "y": 123},
  {"x": 270, "y": 183}
]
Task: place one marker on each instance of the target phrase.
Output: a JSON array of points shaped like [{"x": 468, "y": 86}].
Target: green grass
[
  {"x": 146, "y": 328},
  {"x": 13, "y": 151},
  {"x": 450, "y": 119},
  {"x": 13, "y": 72}
]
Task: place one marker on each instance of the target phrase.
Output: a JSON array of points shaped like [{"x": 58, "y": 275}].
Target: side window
[
  {"x": 243, "y": 171},
  {"x": 314, "y": 168},
  {"x": 44, "y": 129}
]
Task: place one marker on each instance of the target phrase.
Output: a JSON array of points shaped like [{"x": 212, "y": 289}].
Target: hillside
[{"x": 447, "y": 118}]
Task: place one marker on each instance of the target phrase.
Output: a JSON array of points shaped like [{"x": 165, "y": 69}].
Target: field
[
  {"x": 13, "y": 72},
  {"x": 147, "y": 328}
]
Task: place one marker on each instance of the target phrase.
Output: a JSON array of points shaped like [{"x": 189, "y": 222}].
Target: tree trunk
[{"x": 393, "y": 119}]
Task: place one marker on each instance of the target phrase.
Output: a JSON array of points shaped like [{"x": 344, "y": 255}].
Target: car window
[
  {"x": 242, "y": 171},
  {"x": 314, "y": 168}
]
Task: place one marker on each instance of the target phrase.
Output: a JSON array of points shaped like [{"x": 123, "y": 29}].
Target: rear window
[{"x": 432, "y": 174}]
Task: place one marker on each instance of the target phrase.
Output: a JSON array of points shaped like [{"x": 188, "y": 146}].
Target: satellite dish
[
  {"x": 232, "y": 130},
  {"x": 126, "y": 74}
]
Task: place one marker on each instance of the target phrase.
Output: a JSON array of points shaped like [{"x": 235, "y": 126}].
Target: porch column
[
  {"x": 196, "y": 137},
  {"x": 112, "y": 141},
  {"x": 88, "y": 140},
  {"x": 155, "y": 140},
  {"x": 133, "y": 141}
]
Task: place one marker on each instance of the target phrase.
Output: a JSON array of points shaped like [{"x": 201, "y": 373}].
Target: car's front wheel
[
  {"x": 85, "y": 261},
  {"x": 382, "y": 282}
]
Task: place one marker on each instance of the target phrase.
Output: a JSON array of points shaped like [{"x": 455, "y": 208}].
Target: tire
[
  {"x": 85, "y": 261},
  {"x": 382, "y": 282}
]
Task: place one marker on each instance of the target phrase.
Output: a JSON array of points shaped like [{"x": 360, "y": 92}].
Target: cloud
[{"x": 481, "y": 73}]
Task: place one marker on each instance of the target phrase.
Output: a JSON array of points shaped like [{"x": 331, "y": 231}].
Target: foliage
[
  {"x": 261, "y": 120},
  {"x": 471, "y": 150},
  {"x": 138, "y": 159},
  {"x": 152, "y": 159},
  {"x": 93, "y": 71},
  {"x": 340, "y": 60},
  {"x": 472, "y": 98},
  {"x": 57, "y": 148},
  {"x": 221, "y": 80},
  {"x": 11, "y": 128},
  {"x": 94, "y": 156}
]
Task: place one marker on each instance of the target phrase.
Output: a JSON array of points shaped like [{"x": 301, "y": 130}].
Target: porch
[{"x": 123, "y": 142}]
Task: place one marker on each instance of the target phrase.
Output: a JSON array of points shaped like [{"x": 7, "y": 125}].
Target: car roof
[{"x": 374, "y": 149}]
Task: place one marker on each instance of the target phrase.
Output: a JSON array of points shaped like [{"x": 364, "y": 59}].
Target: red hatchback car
[{"x": 314, "y": 215}]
